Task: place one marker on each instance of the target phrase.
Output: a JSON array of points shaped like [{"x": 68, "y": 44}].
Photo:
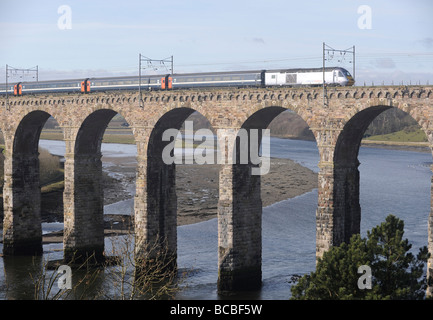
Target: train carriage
[
  {"x": 309, "y": 77},
  {"x": 217, "y": 79},
  {"x": 262, "y": 78},
  {"x": 125, "y": 83}
]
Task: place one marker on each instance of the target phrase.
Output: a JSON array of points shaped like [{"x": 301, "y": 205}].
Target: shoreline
[
  {"x": 385, "y": 144},
  {"x": 395, "y": 145},
  {"x": 198, "y": 199},
  {"x": 197, "y": 188}
]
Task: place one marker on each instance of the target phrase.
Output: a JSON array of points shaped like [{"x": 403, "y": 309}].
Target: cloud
[
  {"x": 384, "y": 63},
  {"x": 259, "y": 40},
  {"x": 426, "y": 42}
]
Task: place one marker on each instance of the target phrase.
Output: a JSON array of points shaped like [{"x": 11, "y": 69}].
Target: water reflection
[{"x": 18, "y": 273}]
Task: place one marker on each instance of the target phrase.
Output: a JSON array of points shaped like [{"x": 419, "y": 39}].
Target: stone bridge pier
[{"x": 234, "y": 114}]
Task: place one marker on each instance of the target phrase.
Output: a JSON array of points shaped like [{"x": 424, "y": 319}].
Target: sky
[{"x": 393, "y": 40}]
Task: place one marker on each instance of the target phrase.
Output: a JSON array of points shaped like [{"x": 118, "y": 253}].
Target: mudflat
[
  {"x": 197, "y": 186},
  {"x": 197, "y": 189}
]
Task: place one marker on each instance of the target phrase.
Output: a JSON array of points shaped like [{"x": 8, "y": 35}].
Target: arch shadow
[
  {"x": 346, "y": 193},
  {"x": 22, "y": 230},
  {"x": 347, "y": 210},
  {"x": 241, "y": 269},
  {"x": 84, "y": 194},
  {"x": 161, "y": 199}
]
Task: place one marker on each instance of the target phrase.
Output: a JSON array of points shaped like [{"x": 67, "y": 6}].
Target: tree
[{"x": 396, "y": 272}]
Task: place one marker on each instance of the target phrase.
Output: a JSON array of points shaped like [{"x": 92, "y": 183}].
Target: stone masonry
[{"x": 338, "y": 127}]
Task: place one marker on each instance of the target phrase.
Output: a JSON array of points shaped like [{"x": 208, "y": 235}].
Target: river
[{"x": 392, "y": 181}]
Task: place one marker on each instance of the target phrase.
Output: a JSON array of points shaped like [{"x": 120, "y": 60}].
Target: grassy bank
[
  {"x": 120, "y": 137},
  {"x": 51, "y": 182},
  {"x": 410, "y": 137}
]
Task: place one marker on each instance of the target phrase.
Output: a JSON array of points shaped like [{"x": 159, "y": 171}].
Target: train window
[
  {"x": 273, "y": 76},
  {"x": 291, "y": 77},
  {"x": 236, "y": 78},
  {"x": 340, "y": 74},
  {"x": 226, "y": 78}
]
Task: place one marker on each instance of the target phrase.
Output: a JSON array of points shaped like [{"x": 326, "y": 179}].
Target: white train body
[{"x": 309, "y": 77}]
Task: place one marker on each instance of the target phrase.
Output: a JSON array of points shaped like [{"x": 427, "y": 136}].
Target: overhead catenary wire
[{"x": 364, "y": 60}]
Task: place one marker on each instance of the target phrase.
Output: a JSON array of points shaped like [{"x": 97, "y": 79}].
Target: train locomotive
[{"x": 333, "y": 76}]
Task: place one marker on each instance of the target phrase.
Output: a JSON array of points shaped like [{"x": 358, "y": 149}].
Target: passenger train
[{"x": 334, "y": 76}]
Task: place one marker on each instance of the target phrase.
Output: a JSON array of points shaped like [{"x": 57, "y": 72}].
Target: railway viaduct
[{"x": 338, "y": 126}]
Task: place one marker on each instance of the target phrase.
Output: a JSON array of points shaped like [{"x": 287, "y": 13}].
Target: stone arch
[
  {"x": 84, "y": 223},
  {"x": 160, "y": 203},
  {"x": 347, "y": 211},
  {"x": 241, "y": 206},
  {"x": 346, "y": 177},
  {"x": 89, "y": 136},
  {"x": 22, "y": 192}
]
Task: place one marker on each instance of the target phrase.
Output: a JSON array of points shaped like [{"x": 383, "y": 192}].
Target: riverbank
[
  {"x": 197, "y": 192},
  {"x": 397, "y": 145},
  {"x": 197, "y": 186}
]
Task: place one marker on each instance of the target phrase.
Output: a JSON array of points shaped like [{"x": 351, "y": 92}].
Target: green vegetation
[
  {"x": 49, "y": 168},
  {"x": 123, "y": 275},
  {"x": 119, "y": 138},
  {"x": 408, "y": 134},
  {"x": 396, "y": 273}
]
